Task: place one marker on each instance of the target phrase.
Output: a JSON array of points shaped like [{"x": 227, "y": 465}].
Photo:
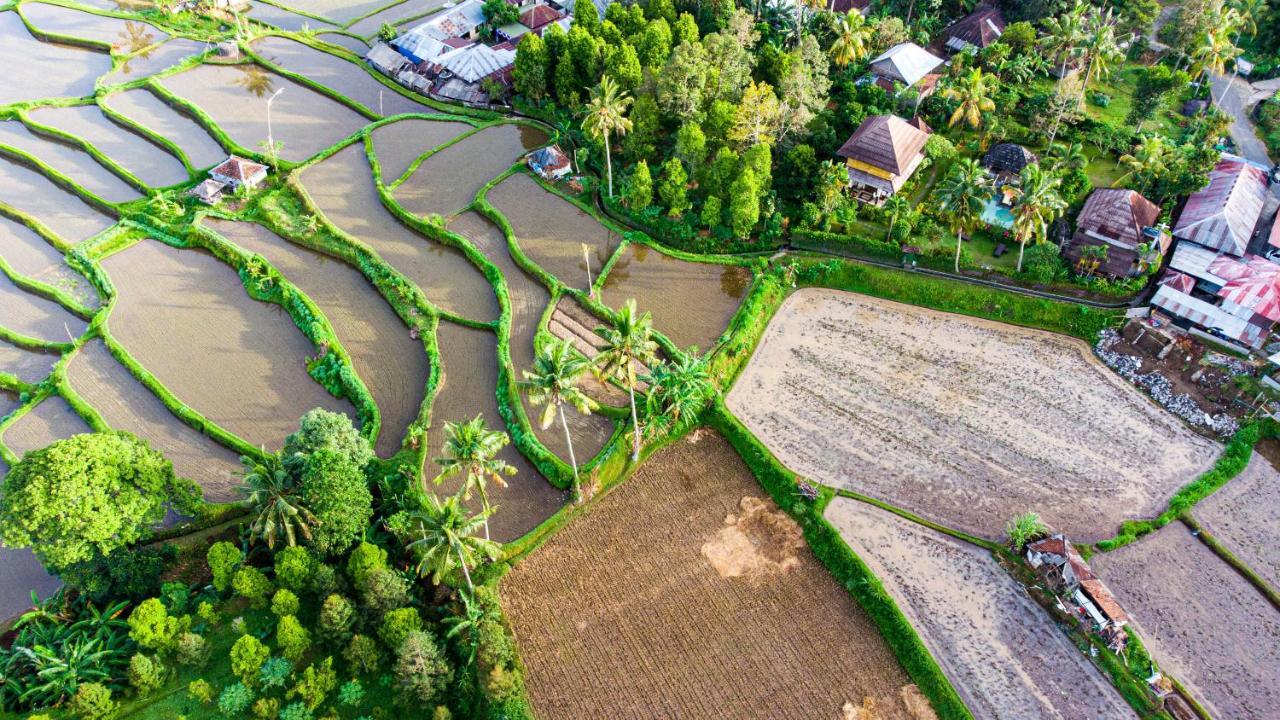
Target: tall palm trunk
[
  {"x": 1062, "y": 72},
  {"x": 635, "y": 423},
  {"x": 484, "y": 505},
  {"x": 608, "y": 163},
  {"x": 959, "y": 239},
  {"x": 1022, "y": 247},
  {"x": 573, "y": 460},
  {"x": 893, "y": 220},
  {"x": 462, "y": 562}
]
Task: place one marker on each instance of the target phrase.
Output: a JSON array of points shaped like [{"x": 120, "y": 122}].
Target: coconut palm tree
[
  {"x": 1148, "y": 159},
  {"x": 552, "y": 384},
  {"x": 894, "y": 204},
  {"x": 446, "y": 539},
  {"x": 1067, "y": 157},
  {"x": 1038, "y": 205},
  {"x": 1212, "y": 55},
  {"x": 852, "y": 38},
  {"x": 472, "y": 449},
  {"x": 1061, "y": 44},
  {"x": 1099, "y": 48},
  {"x": 961, "y": 196},
  {"x": 272, "y": 497},
  {"x": 606, "y": 115},
  {"x": 627, "y": 343},
  {"x": 676, "y": 389},
  {"x": 973, "y": 92}
]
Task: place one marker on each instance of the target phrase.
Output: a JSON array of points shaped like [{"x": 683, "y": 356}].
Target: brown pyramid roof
[
  {"x": 1117, "y": 214},
  {"x": 885, "y": 141},
  {"x": 237, "y": 168},
  {"x": 980, "y": 28},
  {"x": 539, "y": 15}
]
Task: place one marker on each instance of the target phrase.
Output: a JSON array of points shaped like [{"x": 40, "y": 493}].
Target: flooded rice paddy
[
  {"x": 123, "y": 36},
  {"x": 53, "y": 419},
  {"x": 150, "y": 112},
  {"x": 31, "y": 256},
  {"x": 392, "y": 364},
  {"x": 281, "y": 18},
  {"x": 692, "y": 303},
  {"x": 340, "y": 11},
  {"x": 125, "y": 404},
  {"x": 241, "y": 363},
  {"x": 552, "y": 231},
  {"x": 153, "y": 60},
  {"x": 397, "y": 145},
  {"x": 235, "y": 97},
  {"x": 349, "y": 79},
  {"x": 145, "y": 160},
  {"x": 27, "y": 61},
  {"x": 342, "y": 187},
  {"x": 29, "y": 366},
  {"x": 65, "y": 214},
  {"x": 395, "y": 15},
  {"x": 340, "y": 39},
  {"x": 35, "y": 316},
  {"x": 69, "y": 160},
  {"x": 448, "y": 181}
]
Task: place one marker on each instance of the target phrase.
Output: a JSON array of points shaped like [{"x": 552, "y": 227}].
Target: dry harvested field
[
  {"x": 1245, "y": 514},
  {"x": 686, "y": 593},
  {"x": 1200, "y": 620},
  {"x": 1000, "y": 650},
  {"x": 964, "y": 421},
  {"x": 53, "y": 419},
  {"x": 187, "y": 319},
  {"x": 125, "y": 404}
]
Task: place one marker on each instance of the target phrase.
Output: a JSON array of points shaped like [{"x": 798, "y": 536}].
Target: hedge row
[{"x": 1231, "y": 559}]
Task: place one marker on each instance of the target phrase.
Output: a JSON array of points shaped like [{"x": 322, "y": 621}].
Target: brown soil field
[
  {"x": 51, "y": 420},
  {"x": 448, "y": 181},
  {"x": 392, "y": 364},
  {"x": 351, "y": 80},
  {"x": 964, "y": 421},
  {"x": 125, "y": 404},
  {"x": 692, "y": 303},
  {"x": 551, "y": 231},
  {"x": 1201, "y": 621},
  {"x": 398, "y": 144},
  {"x": 28, "y": 366},
  {"x": 150, "y": 62},
  {"x": 686, "y": 593},
  {"x": 65, "y": 214},
  {"x": 468, "y": 387},
  {"x": 999, "y": 649},
  {"x": 343, "y": 189},
  {"x": 145, "y": 160},
  {"x": 1245, "y": 514},
  {"x": 34, "y": 316},
  {"x": 149, "y": 111},
  {"x": 70, "y": 161},
  {"x": 186, "y": 318},
  {"x": 528, "y": 301},
  {"x": 30, "y": 255},
  {"x": 27, "y": 61}
]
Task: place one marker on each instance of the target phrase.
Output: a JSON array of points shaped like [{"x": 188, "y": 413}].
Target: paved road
[{"x": 1234, "y": 99}]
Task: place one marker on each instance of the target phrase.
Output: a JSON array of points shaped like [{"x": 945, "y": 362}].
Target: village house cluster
[{"x": 228, "y": 176}]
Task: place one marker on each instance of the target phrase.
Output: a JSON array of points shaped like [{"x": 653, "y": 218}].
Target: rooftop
[
  {"x": 906, "y": 62},
  {"x": 979, "y": 28},
  {"x": 885, "y": 141},
  {"x": 1223, "y": 214}
]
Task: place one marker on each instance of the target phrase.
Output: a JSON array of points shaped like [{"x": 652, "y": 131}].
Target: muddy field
[
  {"x": 686, "y": 593},
  {"x": 70, "y": 161},
  {"x": 186, "y": 317},
  {"x": 691, "y": 302},
  {"x": 998, "y": 648},
  {"x": 31, "y": 256},
  {"x": 63, "y": 213},
  {"x": 149, "y": 111},
  {"x": 53, "y": 419},
  {"x": 142, "y": 158},
  {"x": 125, "y": 404},
  {"x": 399, "y": 144},
  {"x": 28, "y": 366},
  {"x": 448, "y": 181},
  {"x": 331, "y": 71},
  {"x": 1200, "y": 620},
  {"x": 1245, "y": 514},
  {"x": 26, "y": 62},
  {"x": 964, "y": 421}
]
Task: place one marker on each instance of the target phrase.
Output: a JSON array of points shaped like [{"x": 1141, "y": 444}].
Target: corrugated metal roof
[
  {"x": 476, "y": 62},
  {"x": 906, "y": 62},
  {"x": 1223, "y": 214},
  {"x": 1195, "y": 260},
  {"x": 1253, "y": 284},
  {"x": 979, "y": 28},
  {"x": 1208, "y": 316}
]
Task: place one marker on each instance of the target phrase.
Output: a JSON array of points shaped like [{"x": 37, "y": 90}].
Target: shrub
[
  {"x": 146, "y": 674},
  {"x": 247, "y": 656},
  {"x": 398, "y": 625},
  {"x": 317, "y": 681},
  {"x": 293, "y": 639},
  {"x": 336, "y": 618},
  {"x": 324, "y": 580},
  {"x": 284, "y": 602},
  {"x": 385, "y": 590},
  {"x": 193, "y": 650},
  {"x": 234, "y": 700},
  {"x": 175, "y": 595},
  {"x": 422, "y": 674},
  {"x": 351, "y": 693},
  {"x": 151, "y": 626},
  {"x": 223, "y": 559},
  {"x": 201, "y": 691},
  {"x": 250, "y": 584},
  {"x": 294, "y": 568},
  {"x": 274, "y": 672},
  {"x": 208, "y": 613},
  {"x": 92, "y": 701},
  {"x": 362, "y": 654},
  {"x": 1100, "y": 99},
  {"x": 297, "y": 711},
  {"x": 266, "y": 708},
  {"x": 364, "y": 560},
  {"x": 130, "y": 573}
]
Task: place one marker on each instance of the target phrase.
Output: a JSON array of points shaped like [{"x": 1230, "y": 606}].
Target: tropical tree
[
  {"x": 445, "y": 539},
  {"x": 471, "y": 448},
  {"x": 973, "y": 93},
  {"x": 894, "y": 204},
  {"x": 1212, "y": 55},
  {"x": 606, "y": 115},
  {"x": 1061, "y": 43},
  {"x": 1038, "y": 204},
  {"x": 852, "y": 38},
  {"x": 961, "y": 197},
  {"x": 1147, "y": 161},
  {"x": 272, "y": 495},
  {"x": 676, "y": 389},
  {"x": 627, "y": 343},
  {"x": 1099, "y": 48},
  {"x": 552, "y": 384},
  {"x": 1025, "y": 528},
  {"x": 1067, "y": 157}
]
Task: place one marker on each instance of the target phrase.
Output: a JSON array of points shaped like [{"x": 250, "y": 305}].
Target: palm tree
[
  {"x": 853, "y": 35},
  {"x": 1038, "y": 205},
  {"x": 1067, "y": 157},
  {"x": 553, "y": 383},
  {"x": 1099, "y": 47},
  {"x": 270, "y": 493},
  {"x": 676, "y": 389},
  {"x": 447, "y": 539},
  {"x": 1025, "y": 528},
  {"x": 973, "y": 92},
  {"x": 472, "y": 449},
  {"x": 628, "y": 343},
  {"x": 1061, "y": 43},
  {"x": 893, "y": 205},
  {"x": 961, "y": 196},
  {"x": 606, "y": 115},
  {"x": 1214, "y": 52},
  {"x": 1148, "y": 159}
]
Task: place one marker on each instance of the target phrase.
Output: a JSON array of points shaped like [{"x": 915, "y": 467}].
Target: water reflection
[{"x": 254, "y": 80}]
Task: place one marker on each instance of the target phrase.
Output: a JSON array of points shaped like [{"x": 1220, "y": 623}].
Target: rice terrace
[{"x": 515, "y": 359}]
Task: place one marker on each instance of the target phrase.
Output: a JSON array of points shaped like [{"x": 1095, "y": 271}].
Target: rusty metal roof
[{"x": 1222, "y": 215}]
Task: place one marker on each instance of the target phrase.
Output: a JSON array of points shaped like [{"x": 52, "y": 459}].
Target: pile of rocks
[{"x": 1159, "y": 387}]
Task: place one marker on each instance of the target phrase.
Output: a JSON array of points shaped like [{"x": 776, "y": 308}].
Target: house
[
  {"x": 906, "y": 64},
  {"x": 540, "y": 16},
  {"x": 208, "y": 192},
  {"x": 1123, "y": 222},
  {"x": 383, "y": 58},
  {"x": 236, "y": 171},
  {"x": 441, "y": 32},
  {"x": 549, "y": 162},
  {"x": 977, "y": 30},
  {"x": 1100, "y": 605},
  {"x": 1057, "y": 561},
  {"x": 459, "y": 74},
  {"x": 881, "y": 156},
  {"x": 1236, "y": 299},
  {"x": 1007, "y": 159},
  {"x": 1222, "y": 215}
]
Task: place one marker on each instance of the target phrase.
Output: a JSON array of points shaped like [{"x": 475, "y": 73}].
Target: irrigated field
[
  {"x": 143, "y": 159},
  {"x": 149, "y": 111},
  {"x": 150, "y": 62},
  {"x": 964, "y": 421},
  {"x": 27, "y": 61},
  {"x": 1201, "y": 621},
  {"x": 999, "y": 649},
  {"x": 34, "y": 316},
  {"x": 72, "y": 162},
  {"x": 186, "y": 318},
  {"x": 31, "y": 256},
  {"x": 399, "y": 144},
  {"x": 61, "y": 212},
  {"x": 448, "y": 181},
  {"x": 686, "y": 593},
  {"x": 53, "y": 419},
  {"x": 337, "y": 74},
  {"x": 28, "y": 366},
  {"x": 1245, "y": 514}
]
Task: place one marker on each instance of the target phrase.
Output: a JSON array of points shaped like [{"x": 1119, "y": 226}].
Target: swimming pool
[{"x": 994, "y": 213}]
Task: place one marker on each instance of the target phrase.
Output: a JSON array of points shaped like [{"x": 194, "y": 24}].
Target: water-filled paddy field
[
  {"x": 144, "y": 108},
  {"x": 32, "y": 257},
  {"x": 35, "y": 316},
  {"x": 62, "y": 212},
  {"x": 336, "y": 74},
  {"x": 399, "y": 144},
  {"x": 152, "y": 60},
  {"x": 142, "y": 158},
  {"x": 27, "y": 62},
  {"x": 448, "y": 181},
  {"x": 70, "y": 161}
]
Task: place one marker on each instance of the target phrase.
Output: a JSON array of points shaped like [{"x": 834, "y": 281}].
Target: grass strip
[{"x": 1230, "y": 558}]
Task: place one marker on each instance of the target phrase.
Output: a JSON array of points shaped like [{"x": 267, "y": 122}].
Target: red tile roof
[
  {"x": 238, "y": 169},
  {"x": 1103, "y": 599},
  {"x": 539, "y": 15}
]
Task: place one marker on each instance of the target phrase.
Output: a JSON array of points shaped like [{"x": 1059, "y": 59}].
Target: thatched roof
[
  {"x": 1008, "y": 157},
  {"x": 885, "y": 141}
]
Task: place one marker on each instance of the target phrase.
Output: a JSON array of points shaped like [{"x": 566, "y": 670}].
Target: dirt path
[
  {"x": 997, "y": 646},
  {"x": 964, "y": 421}
]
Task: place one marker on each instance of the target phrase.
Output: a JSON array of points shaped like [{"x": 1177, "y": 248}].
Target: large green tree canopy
[{"x": 88, "y": 495}]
